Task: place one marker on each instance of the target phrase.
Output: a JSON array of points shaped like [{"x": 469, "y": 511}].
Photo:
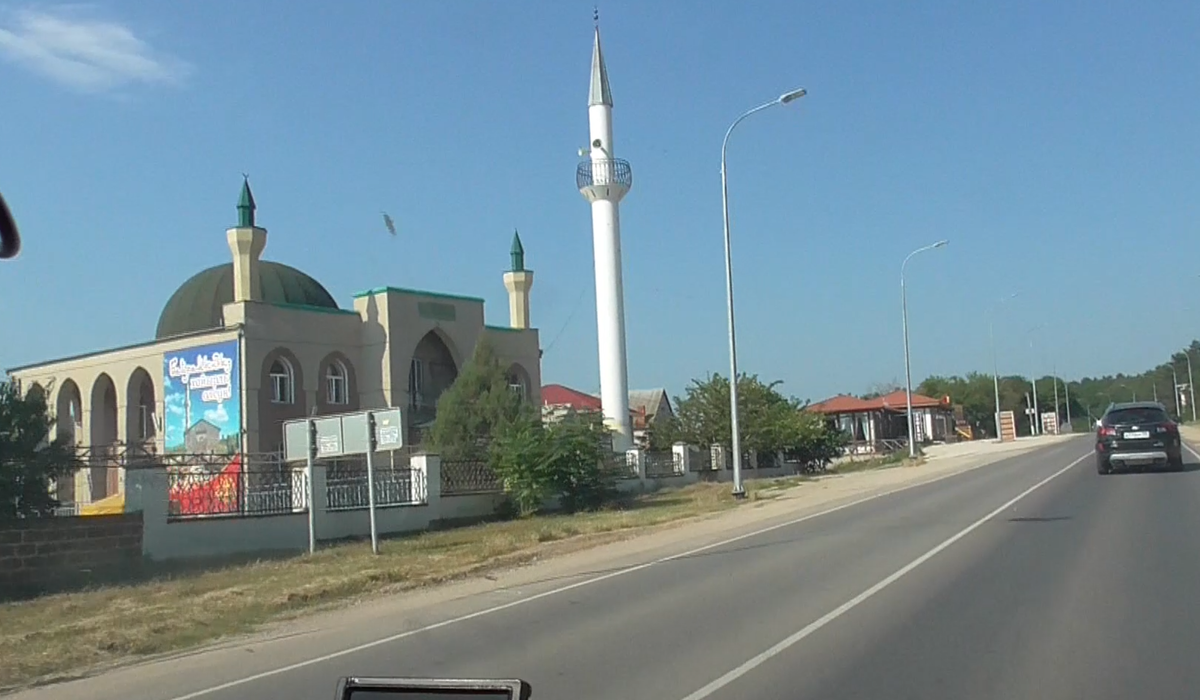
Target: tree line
[{"x": 1085, "y": 399}]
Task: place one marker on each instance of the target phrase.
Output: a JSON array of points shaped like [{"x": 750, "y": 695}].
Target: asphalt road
[{"x": 1029, "y": 578}]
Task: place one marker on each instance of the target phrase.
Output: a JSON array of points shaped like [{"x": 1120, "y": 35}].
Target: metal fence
[
  {"x": 661, "y": 463},
  {"x": 346, "y": 488},
  {"x": 240, "y": 488},
  {"x": 619, "y": 465},
  {"x": 469, "y": 476},
  {"x": 700, "y": 460}
]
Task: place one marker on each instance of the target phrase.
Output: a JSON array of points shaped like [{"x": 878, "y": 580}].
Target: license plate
[{"x": 1139, "y": 435}]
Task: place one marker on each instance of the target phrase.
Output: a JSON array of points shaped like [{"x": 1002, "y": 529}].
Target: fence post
[
  {"x": 718, "y": 457},
  {"x": 427, "y": 481},
  {"x": 320, "y": 498},
  {"x": 635, "y": 458},
  {"x": 683, "y": 458},
  {"x": 147, "y": 491}
]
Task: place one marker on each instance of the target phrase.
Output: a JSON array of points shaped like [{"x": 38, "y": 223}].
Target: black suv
[{"x": 1137, "y": 435}]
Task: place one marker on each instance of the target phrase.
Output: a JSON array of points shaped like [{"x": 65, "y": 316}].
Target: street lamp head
[
  {"x": 941, "y": 244},
  {"x": 791, "y": 96}
]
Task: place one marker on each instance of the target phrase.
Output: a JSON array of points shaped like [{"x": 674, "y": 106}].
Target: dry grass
[
  {"x": 896, "y": 459},
  {"x": 63, "y": 636}
]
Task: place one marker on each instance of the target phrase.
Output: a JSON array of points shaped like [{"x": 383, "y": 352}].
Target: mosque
[{"x": 244, "y": 346}]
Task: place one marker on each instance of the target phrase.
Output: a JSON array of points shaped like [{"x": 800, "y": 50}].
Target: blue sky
[{"x": 1054, "y": 143}]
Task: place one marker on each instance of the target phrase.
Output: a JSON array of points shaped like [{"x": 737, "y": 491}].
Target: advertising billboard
[{"x": 202, "y": 400}]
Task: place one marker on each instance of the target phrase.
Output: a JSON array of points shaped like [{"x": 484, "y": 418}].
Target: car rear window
[{"x": 1125, "y": 416}]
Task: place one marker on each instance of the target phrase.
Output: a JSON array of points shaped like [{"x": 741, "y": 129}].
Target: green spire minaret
[
  {"x": 246, "y": 206},
  {"x": 518, "y": 282},
  {"x": 518, "y": 253}
]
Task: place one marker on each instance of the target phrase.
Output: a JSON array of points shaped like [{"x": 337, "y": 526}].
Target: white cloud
[
  {"x": 217, "y": 416},
  {"x": 91, "y": 55}
]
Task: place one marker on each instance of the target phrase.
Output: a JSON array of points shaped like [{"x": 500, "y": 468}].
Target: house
[
  {"x": 645, "y": 406},
  {"x": 202, "y": 438},
  {"x": 879, "y": 424}
]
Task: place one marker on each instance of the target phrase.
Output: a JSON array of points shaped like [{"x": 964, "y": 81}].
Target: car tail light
[
  {"x": 1169, "y": 428},
  {"x": 1107, "y": 431}
]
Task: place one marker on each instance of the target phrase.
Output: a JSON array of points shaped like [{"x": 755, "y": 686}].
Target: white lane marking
[
  {"x": 1192, "y": 450},
  {"x": 579, "y": 584},
  {"x": 834, "y": 614}
]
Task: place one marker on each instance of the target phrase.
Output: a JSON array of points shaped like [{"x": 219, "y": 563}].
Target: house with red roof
[
  {"x": 644, "y": 406},
  {"x": 878, "y": 423}
]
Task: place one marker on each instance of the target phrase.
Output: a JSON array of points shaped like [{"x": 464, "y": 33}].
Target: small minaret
[
  {"x": 246, "y": 243},
  {"x": 518, "y": 281},
  {"x": 604, "y": 180}
]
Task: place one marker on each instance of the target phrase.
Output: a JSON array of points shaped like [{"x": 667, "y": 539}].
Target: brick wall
[{"x": 46, "y": 555}]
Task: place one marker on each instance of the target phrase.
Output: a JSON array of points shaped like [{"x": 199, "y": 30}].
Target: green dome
[{"x": 197, "y": 304}]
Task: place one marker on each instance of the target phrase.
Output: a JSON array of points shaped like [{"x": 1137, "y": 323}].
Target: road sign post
[
  {"x": 371, "y": 481},
  {"x": 343, "y": 435},
  {"x": 311, "y": 433}
]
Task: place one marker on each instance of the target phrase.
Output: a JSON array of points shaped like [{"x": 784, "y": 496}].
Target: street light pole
[
  {"x": 1191, "y": 384},
  {"x": 1035, "y": 423},
  {"x": 1175, "y": 385},
  {"x": 1067, "y": 390},
  {"x": 738, "y": 490},
  {"x": 912, "y": 445},
  {"x": 1056, "y": 407},
  {"x": 995, "y": 364}
]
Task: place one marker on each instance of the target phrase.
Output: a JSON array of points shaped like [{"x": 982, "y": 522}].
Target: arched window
[
  {"x": 336, "y": 389},
  {"x": 518, "y": 382},
  {"x": 516, "y": 386},
  {"x": 283, "y": 383}
]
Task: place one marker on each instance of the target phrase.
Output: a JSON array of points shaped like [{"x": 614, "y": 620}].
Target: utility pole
[
  {"x": 1175, "y": 386},
  {"x": 1067, "y": 389},
  {"x": 1191, "y": 384},
  {"x": 1057, "y": 409}
]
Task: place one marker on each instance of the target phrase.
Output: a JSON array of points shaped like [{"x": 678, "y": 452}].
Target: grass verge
[
  {"x": 64, "y": 636},
  {"x": 895, "y": 459}
]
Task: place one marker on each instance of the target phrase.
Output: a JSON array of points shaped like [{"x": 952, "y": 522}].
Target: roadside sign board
[{"x": 342, "y": 435}]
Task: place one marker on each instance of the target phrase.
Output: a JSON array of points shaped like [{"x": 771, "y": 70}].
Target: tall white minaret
[{"x": 604, "y": 181}]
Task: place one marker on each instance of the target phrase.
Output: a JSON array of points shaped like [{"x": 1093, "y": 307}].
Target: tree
[
  {"x": 29, "y": 460},
  {"x": 768, "y": 421},
  {"x": 564, "y": 459},
  {"x": 478, "y": 406},
  {"x": 881, "y": 389}
]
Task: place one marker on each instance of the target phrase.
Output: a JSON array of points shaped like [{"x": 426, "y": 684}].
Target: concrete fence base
[{"x": 174, "y": 537}]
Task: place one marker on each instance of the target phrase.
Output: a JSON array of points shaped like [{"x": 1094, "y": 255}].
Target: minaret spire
[
  {"x": 246, "y": 205},
  {"x": 517, "y": 252},
  {"x": 599, "y": 93}
]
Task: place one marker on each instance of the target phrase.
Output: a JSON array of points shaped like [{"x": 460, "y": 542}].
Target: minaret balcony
[{"x": 604, "y": 178}]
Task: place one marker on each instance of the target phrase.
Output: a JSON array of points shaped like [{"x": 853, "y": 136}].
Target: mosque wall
[{"x": 299, "y": 361}]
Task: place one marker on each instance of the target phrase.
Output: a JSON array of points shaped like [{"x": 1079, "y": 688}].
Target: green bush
[
  {"x": 565, "y": 460},
  {"x": 581, "y": 444}
]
